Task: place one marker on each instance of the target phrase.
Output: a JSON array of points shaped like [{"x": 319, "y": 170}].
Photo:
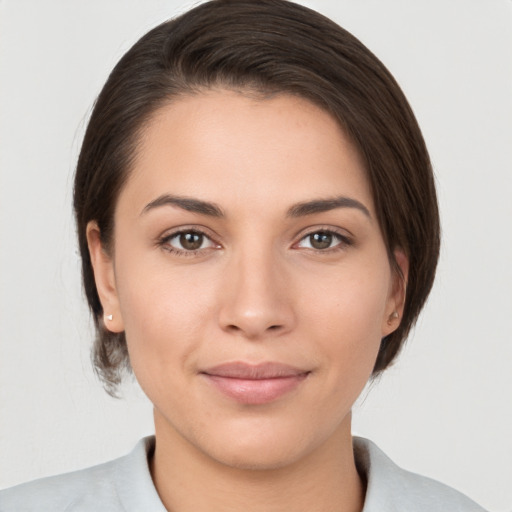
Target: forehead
[{"x": 224, "y": 146}]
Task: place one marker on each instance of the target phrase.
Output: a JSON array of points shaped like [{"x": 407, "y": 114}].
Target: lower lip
[{"x": 256, "y": 391}]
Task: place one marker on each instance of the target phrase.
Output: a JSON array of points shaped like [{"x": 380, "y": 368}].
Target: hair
[{"x": 266, "y": 47}]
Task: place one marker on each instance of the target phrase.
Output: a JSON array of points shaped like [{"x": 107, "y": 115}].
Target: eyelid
[
  {"x": 188, "y": 228},
  {"x": 163, "y": 239},
  {"x": 345, "y": 237}
]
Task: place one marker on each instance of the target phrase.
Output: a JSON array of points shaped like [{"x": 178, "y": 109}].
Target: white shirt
[{"x": 125, "y": 485}]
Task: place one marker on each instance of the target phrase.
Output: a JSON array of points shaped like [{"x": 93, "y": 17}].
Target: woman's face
[{"x": 250, "y": 276}]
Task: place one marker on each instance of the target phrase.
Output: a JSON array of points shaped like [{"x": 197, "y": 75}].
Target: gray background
[{"x": 444, "y": 410}]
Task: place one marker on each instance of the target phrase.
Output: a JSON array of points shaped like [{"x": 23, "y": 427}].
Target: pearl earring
[
  {"x": 108, "y": 317},
  {"x": 393, "y": 317}
]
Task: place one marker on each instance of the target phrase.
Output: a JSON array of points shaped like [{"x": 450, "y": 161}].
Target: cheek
[
  {"x": 353, "y": 300},
  {"x": 165, "y": 313},
  {"x": 345, "y": 315}
]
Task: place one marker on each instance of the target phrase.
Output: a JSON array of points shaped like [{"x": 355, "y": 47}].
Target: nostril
[{"x": 237, "y": 329}]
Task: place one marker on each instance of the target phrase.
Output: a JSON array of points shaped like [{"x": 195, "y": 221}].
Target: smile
[{"x": 254, "y": 384}]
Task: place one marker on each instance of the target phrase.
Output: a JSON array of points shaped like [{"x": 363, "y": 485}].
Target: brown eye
[
  {"x": 191, "y": 241},
  {"x": 187, "y": 242},
  {"x": 321, "y": 240},
  {"x": 324, "y": 240}
]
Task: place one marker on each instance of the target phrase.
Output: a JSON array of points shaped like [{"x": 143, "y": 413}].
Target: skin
[{"x": 259, "y": 289}]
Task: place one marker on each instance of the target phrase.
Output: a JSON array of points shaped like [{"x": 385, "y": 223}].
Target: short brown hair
[{"x": 266, "y": 47}]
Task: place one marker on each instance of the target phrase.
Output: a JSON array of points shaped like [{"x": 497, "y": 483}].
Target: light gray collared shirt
[{"x": 125, "y": 485}]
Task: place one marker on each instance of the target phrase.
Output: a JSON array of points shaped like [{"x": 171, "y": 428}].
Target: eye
[
  {"x": 187, "y": 241},
  {"x": 323, "y": 240}
]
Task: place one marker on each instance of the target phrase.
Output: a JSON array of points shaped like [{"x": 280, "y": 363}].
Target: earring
[
  {"x": 393, "y": 317},
  {"x": 108, "y": 317}
]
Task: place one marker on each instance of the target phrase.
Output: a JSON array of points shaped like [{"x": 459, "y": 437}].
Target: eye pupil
[
  {"x": 320, "y": 240},
  {"x": 191, "y": 241}
]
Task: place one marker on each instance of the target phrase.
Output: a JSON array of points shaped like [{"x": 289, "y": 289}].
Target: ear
[
  {"x": 396, "y": 299},
  {"x": 104, "y": 276}
]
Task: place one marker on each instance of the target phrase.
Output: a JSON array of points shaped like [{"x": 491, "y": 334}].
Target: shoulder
[
  {"x": 391, "y": 488},
  {"x": 78, "y": 490},
  {"x": 114, "y": 486}
]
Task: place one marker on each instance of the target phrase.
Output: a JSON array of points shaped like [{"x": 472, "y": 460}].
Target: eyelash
[
  {"x": 164, "y": 242},
  {"x": 344, "y": 241}
]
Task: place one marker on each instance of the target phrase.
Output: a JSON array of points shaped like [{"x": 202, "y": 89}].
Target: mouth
[{"x": 255, "y": 384}]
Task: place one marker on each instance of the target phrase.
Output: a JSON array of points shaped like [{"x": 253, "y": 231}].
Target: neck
[{"x": 325, "y": 480}]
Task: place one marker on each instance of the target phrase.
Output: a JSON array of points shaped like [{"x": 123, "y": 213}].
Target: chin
[
  {"x": 257, "y": 458},
  {"x": 261, "y": 447}
]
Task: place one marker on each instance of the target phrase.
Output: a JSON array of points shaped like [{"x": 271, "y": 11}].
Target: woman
[{"x": 259, "y": 231}]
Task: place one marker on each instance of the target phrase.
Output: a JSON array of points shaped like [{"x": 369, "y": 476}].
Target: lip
[{"x": 255, "y": 384}]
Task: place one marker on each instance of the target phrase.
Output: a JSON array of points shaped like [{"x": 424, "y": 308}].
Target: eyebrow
[
  {"x": 298, "y": 210},
  {"x": 325, "y": 205},
  {"x": 185, "y": 203}
]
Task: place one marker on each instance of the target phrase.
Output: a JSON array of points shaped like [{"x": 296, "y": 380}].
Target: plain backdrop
[{"x": 444, "y": 410}]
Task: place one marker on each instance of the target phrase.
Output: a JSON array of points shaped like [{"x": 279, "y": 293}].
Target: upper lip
[{"x": 248, "y": 371}]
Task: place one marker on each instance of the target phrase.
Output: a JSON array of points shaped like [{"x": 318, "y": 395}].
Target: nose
[{"x": 256, "y": 297}]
